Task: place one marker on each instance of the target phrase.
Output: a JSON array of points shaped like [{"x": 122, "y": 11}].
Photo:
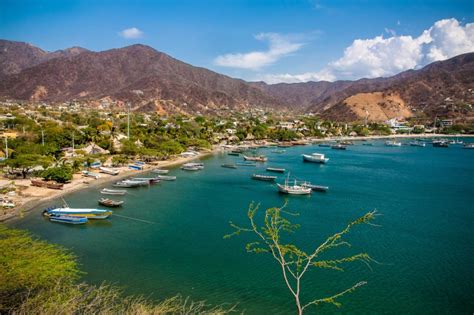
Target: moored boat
[
  {"x": 275, "y": 169},
  {"x": 79, "y": 212},
  {"x": 278, "y": 151},
  {"x": 110, "y": 203},
  {"x": 440, "y": 144},
  {"x": 294, "y": 189},
  {"x": 118, "y": 192},
  {"x": 264, "y": 178},
  {"x": 260, "y": 158},
  {"x": 339, "y": 147},
  {"x": 390, "y": 143},
  {"x": 137, "y": 182},
  {"x": 159, "y": 171},
  {"x": 151, "y": 180},
  {"x": 192, "y": 166},
  {"x": 315, "y": 158},
  {"x": 315, "y": 187},
  {"x": 468, "y": 146},
  {"x": 166, "y": 178},
  {"x": 229, "y": 165},
  {"x": 233, "y": 153},
  {"x": 68, "y": 219},
  {"x": 123, "y": 184},
  {"x": 417, "y": 144}
]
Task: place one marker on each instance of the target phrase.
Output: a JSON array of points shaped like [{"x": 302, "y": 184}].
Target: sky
[{"x": 274, "y": 41}]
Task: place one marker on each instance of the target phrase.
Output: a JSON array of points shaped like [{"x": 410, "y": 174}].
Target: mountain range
[{"x": 154, "y": 81}]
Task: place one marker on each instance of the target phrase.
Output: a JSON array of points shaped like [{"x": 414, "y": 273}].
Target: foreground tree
[
  {"x": 26, "y": 162},
  {"x": 295, "y": 262}
]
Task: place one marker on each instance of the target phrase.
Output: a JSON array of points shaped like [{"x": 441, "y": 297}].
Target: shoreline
[{"x": 78, "y": 183}]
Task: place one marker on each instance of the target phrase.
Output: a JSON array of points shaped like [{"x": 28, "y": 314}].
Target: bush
[{"x": 60, "y": 174}]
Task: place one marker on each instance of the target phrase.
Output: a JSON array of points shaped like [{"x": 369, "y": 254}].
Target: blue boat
[
  {"x": 135, "y": 167},
  {"x": 68, "y": 219}
]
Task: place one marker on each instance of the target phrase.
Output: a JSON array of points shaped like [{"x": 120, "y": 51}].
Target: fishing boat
[
  {"x": 166, "y": 178},
  {"x": 246, "y": 164},
  {"x": 110, "y": 203},
  {"x": 118, "y": 192},
  {"x": 338, "y": 147},
  {"x": 159, "y": 171},
  {"x": 150, "y": 180},
  {"x": 192, "y": 166},
  {"x": 390, "y": 143},
  {"x": 264, "y": 178},
  {"x": 315, "y": 187},
  {"x": 417, "y": 144},
  {"x": 278, "y": 151},
  {"x": 138, "y": 182},
  {"x": 294, "y": 189},
  {"x": 229, "y": 165},
  {"x": 68, "y": 219},
  {"x": 315, "y": 158},
  {"x": 276, "y": 170},
  {"x": 90, "y": 174},
  {"x": 123, "y": 184},
  {"x": 109, "y": 171},
  {"x": 78, "y": 212},
  {"x": 324, "y": 145},
  {"x": 440, "y": 144},
  {"x": 50, "y": 185},
  {"x": 468, "y": 146},
  {"x": 260, "y": 158}
]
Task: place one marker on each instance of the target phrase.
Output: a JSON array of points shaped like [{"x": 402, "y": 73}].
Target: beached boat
[
  {"x": 110, "y": 203},
  {"x": 264, "y": 178},
  {"x": 315, "y": 158},
  {"x": 81, "y": 212},
  {"x": 315, "y": 187},
  {"x": 275, "y": 169},
  {"x": 166, "y": 178},
  {"x": 417, "y": 144},
  {"x": 90, "y": 174},
  {"x": 440, "y": 144},
  {"x": 109, "y": 171},
  {"x": 118, "y": 192},
  {"x": 50, "y": 185},
  {"x": 260, "y": 158},
  {"x": 294, "y": 189},
  {"x": 68, "y": 219},
  {"x": 338, "y": 147},
  {"x": 159, "y": 171},
  {"x": 229, "y": 165},
  {"x": 135, "y": 167},
  {"x": 468, "y": 146},
  {"x": 390, "y": 143}
]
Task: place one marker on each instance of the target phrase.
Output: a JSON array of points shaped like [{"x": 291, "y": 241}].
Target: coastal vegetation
[
  {"x": 41, "y": 278},
  {"x": 294, "y": 261}
]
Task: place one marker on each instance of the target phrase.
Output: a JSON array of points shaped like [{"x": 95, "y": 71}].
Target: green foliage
[
  {"x": 25, "y": 162},
  {"x": 294, "y": 261},
  {"x": 60, "y": 174},
  {"x": 119, "y": 160}
]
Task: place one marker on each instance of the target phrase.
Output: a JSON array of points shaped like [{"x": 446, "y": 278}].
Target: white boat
[
  {"x": 468, "y": 146},
  {"x": 109, "y": 171},
  {"x": 167, "y": 178},
  {"x": 417, "y": 144},
  {"x": 151, "y": 180},
  {"x": 315, "y": 158},
  {"x": 294, "y": 189},
  {"x": 122, "y": 184},
  {"x": 90, "y": 174},
  {"x": 192, "y": 166},
  {"x": 137, "y": 182},
  {"x": 83, "y": 213},
  {"x": 118, "y": 192},
  {"x": 260, "y": 158},
  {"x": 159, "y": 171},
  {"x": 393, "y": 144}
]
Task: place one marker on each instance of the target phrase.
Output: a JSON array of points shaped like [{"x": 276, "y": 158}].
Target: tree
[
  {"x": 295, "y": 262},
  {"x": 26, "y": 162},
  {"x": 60, "y": 174}
]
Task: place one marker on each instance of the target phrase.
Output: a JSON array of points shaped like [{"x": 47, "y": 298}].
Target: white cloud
[
  {"x": 381, "y": 56},
  {"x": 279, "y": 46},
  {"x": 131, "y": 33}
]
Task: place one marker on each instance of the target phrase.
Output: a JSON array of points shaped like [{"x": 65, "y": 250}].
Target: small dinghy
[
  {"x": 159, "y": 171},
  {"x": 165, "y": 177},
  {"x": 229, "y": 165},
  {"x": 110, "y": 203},
  {"x": 118, "y": 192},
  {"x": 275, "y": 170}
]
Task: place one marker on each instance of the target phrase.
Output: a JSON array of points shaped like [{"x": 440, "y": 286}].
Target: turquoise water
[{"x": 425, "y": 244}]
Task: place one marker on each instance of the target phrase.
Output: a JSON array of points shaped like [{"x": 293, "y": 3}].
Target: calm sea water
[{"x": 425, "y": 244}]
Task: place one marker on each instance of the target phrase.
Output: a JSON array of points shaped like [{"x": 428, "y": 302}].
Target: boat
[
  {"x": 150, "y": 180},
  {"x": 110, "y": 203},
  {"x": 338, "y": 147},
  {"x": 122, "y": 184},
  {"x": 192, "y": 166},
  {"x": 294, "y": 189},
  {"x": 368, "y": 144},
  {"x": 346, "y": 142},
  {"x": 315, "y": 158},
  {"x": 315, "y": 187},
  {"x": 118, "y": 192},
  {"x": 79, "y": 212},
  {"x": 276, "y": 170},
  {"x": 68, "y": 219},
  {"x": 50, "y": 185},
  {"x": 278, "y": 151},
  {"x": 417, "y": 144},
  {"x": 229, "y": 165},
  {"x": 260, "y": 158},
  {"x": 90, "y": 174},
  {"x": 324, "y": 145},
  {"x": 246, "y": 164},
  {"x": 135, "y": 167},
  {"x": 109, "y": 171},
  {"x": 440, "y": 144},
  {"x": 264, "y": 178},
  {"x": 138, "y": 182},
  {"x": 233, "y": 153},
  {"x": 468, "y": 146},
  {"x": 459, "y": 141},
  {"x": 159, "y": 171},
  {"x": 166, "y": 178},
  {"x": 390, "y": 143}
]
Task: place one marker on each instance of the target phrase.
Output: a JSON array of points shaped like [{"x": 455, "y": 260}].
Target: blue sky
[{"x": 271, "y": 40}]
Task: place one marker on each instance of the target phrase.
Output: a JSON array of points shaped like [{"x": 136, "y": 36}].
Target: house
[{"x": 92, "y": 148}]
